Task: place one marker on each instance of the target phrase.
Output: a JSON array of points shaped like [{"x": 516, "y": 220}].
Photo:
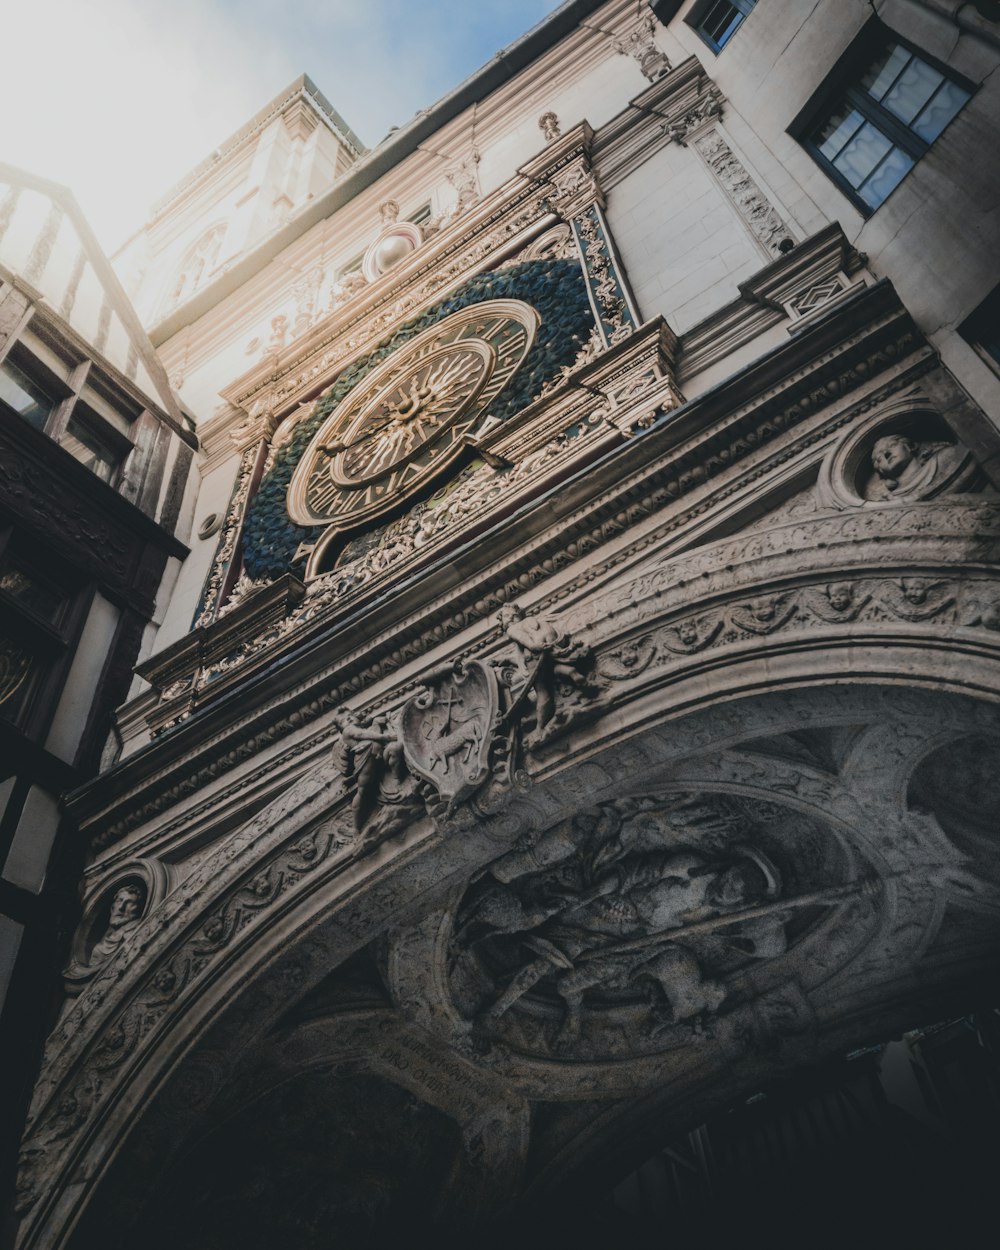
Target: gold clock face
[{"x": 407, "y": 420}]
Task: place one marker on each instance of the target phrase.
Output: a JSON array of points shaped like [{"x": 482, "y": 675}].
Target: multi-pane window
[
  {"x": 881, "y": 112},
  {"x": 718, "y": 21},
  {"x": 29, "y": 398},
  {"x": 67, "y": 401}
]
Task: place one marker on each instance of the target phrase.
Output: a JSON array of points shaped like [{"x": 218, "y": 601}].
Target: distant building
[{"x": 565, "y": 764}]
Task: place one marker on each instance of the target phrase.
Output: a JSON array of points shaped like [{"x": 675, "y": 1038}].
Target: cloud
[{"x": 118, "y": 99}]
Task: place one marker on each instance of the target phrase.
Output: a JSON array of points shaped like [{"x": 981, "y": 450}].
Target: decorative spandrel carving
[
  {"x": 628, "y": 930},
  {"x": 558, "y": 670}
]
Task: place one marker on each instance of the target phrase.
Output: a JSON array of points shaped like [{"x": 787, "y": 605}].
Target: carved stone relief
[
  {"x": 464, "y": 734},
  {"x": 761, "y": 217},
  {"x": 628, "y": 931},
  {"x": 111, "y": 915},
  {"x": 548, "y": 124},
  {"x": 640, "y": 44},
  {"x": 902, "y": 452}
]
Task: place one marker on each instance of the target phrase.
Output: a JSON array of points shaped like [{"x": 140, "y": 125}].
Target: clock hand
[{"x": 369, "y": 432}]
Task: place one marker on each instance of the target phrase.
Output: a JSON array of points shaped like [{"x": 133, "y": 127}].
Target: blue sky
[{"x": 119, "y": 98}]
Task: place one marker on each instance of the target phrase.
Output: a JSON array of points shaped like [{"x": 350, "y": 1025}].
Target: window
[
  {"x": 29, "y": 398},
  {"x": 719, "y": 20},
  {"x": 85, "y": 413},
  {"x": 877, "y": 114},
  {"x": 982, "y": 329},
  {"x": 93, "y": 446},
  {"x": 39, "y": 613}
]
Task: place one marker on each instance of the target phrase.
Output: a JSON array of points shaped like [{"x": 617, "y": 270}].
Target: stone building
[{"x": 563, "y": 769}]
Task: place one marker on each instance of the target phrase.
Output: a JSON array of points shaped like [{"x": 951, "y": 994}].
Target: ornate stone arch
[{"x": 287, "y": 900}]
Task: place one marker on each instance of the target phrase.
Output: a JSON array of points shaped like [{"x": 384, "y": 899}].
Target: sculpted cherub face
[
  {"x": 763, "y": 609},
  {"x": 687, "y": 631},
  {"x": 892, "y": 454},
  {"x": 840, "y": 595},
  {"x": 915, "y": 589}
]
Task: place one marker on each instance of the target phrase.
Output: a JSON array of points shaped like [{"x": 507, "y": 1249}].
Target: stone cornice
[{"x": 652, "y": 119}]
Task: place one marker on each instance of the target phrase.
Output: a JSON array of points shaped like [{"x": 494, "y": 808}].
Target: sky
[{"x": 118, "y": 99}]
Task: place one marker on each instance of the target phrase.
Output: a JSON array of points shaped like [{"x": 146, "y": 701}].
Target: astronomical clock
[
  {"x": 411, "y": 417},
  {"x": 405, "y": 420}
]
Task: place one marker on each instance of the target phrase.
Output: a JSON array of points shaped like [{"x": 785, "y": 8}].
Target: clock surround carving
[{"x": 408, "y": 421}]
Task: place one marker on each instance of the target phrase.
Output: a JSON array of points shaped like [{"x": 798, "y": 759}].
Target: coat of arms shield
[{"x": 448, "y": 726}]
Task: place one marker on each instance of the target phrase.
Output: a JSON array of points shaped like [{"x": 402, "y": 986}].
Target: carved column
[
  {"x": 695, "y": 124},
  {"x": 576, "y": 196},
  {"x": 252, "y": 438}
]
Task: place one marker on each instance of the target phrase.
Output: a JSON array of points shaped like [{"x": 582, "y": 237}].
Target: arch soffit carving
[{"x": 424, "y": 860}]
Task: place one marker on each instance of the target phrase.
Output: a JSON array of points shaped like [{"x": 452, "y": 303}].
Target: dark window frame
[
  {"x": 842, "y": 85},
  {"x": 71, "y": 403},
  {"x": 51, "y": 643},
  {"x": 701, "y": 12},
  {"x": 981, "y": 330}
]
